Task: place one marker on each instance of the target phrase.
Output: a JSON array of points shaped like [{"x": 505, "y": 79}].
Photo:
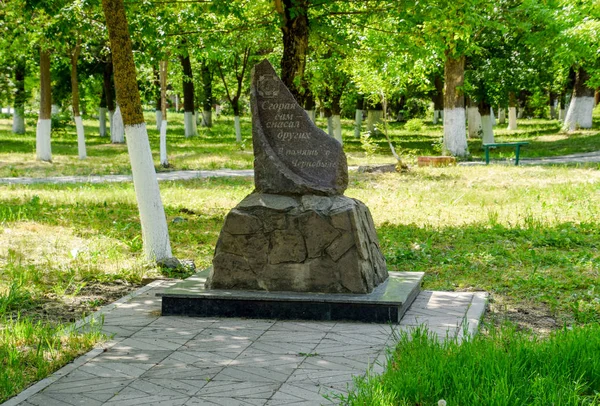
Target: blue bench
[{"x": 517, "y": 146}]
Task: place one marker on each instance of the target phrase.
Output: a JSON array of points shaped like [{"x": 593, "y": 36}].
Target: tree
[{"x": 154, "y": 225}]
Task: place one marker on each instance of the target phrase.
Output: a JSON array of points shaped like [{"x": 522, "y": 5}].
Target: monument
[{"x": 296, "y": 247}]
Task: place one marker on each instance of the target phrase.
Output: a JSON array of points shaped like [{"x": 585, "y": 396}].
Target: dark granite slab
[{"x": 386, "y": 303}]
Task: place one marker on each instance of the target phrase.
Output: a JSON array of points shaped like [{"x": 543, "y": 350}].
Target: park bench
[{"x": 517, "y": 146}]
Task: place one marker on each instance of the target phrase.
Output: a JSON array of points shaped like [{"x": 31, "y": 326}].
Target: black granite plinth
[{"x": 386, "y": 303}]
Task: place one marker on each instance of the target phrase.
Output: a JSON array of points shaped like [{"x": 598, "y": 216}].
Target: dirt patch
[
  {"x": 55, "y": 310},
  {"x": 535, "y": 318}
]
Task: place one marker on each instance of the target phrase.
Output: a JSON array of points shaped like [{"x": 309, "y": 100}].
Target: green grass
[
  {"x": 527, "y": 235},
  {"x": 503, "y": 367},
  {"x": 216, "y": 148}
]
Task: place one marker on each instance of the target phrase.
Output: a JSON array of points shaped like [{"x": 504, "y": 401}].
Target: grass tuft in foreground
[
  {"x": 30, "y": 351},
  {"x": 503, "y": 367}
]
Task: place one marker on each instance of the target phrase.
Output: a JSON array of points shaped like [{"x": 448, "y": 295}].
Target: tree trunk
[
  {"x": 512, "y": 111},
  {"x": 117, "y": 127},
  {"x": 552, "y": 100},
  {"x": 189, "y": 109},
  {"x": 295, "y": 29},
  {"x": 238, "y": 128},
  {"x": 473, "y": 119},
  {"x": 152, "y": 215},
  {"x": 562, "y": 101},
  {"x": 102, "y": 114},
  {"x": 336, "y": 111},
  {"x": 74, "y": 55},
  {"x": 18, "y": 126},
  {"x": 207, "y": 90},
  {"x": 581, "y": 107},
  {"x": 309, "y": 105},
  {"x": 455, "y": 134},
  {"x": 358, "y": 115},
  {"x": 501, "y": 115},
  {"x": 158, "y": 99},
  {"x": 438, "y": 99},
  {"x": 164, "y": 160},
  {"x": 487, "y": 127},
  {"x": 43, "y": 147}
]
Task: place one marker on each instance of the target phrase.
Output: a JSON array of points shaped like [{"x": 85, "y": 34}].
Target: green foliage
[
  {"x": 414, "y": 124},
  {"x": 501, "y": 367}
]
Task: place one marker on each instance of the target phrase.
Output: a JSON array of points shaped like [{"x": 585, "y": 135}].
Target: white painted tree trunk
[
  {"x": 337, "y": 128},
  {"x": 158, "y": 116},
  {"x": 579, "y": 114},
  {"x": 164, "y": 160},
  {"x": 373, "y": 118},
  {"x": 176, "y": 102},
  {"x": 493, "y": 117},
  {"x": 189, "y": 122},
  {"x": 474, "y": 122},
  {"x": 437, "y": 116},
  {"x": 55, "y": 109},
  {"x": 155, "y": 233},
  {"x": 80, "y": 137},
  {"x": 330, "y": 126},
  {"x": 358, "y": 118},
  {"x": 488, "y": 129},
  {"x": 43, "y": 148},
  {"x": 512, "y": 118},
  {"x": 455, "y": 133},
  {"x": 321, "y": 114},
  {"x": 18, "y": 124},
  {"x": 117, "y": 132},
  {"x": 502, "y": 116},
  {"x": 561, "y": 114},
  {"x": 238, "y": 129},
  {"x": 206, "y": 118},
  {"x": 102, "y": 121},
  {"x": 552, "y": 112},
  {"x": 520, "y": 113},
  {"x": 311, "y": 115}
]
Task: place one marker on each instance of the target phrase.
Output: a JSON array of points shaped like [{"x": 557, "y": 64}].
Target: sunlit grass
[{"x": 216, "y": 148}]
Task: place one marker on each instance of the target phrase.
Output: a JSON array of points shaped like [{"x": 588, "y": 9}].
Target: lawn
[{"x": 527, "y": 235}]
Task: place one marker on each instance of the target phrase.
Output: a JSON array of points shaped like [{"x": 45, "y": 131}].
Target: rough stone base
[{"x": 298, "y": 244}]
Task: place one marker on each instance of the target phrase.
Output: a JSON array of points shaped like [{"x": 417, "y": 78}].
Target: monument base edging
[{"x": 385, "y": 304}]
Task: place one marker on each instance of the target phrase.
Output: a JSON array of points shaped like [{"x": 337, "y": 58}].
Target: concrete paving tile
[
  {"x": 119, "y": 331},
  {"x": 187, "y": 387},
  {"x": 329, "y": 378},
  {"x": 149, "y": 344},
  {"x": 302, "y": 326},
  {"x": 265, "y": 359},
  {"x": 333, "y": 348},
  {"x": 88, "y": 384},
  {"x": 282, "y": 348},
  {"x": 344, "y": 338},
  {"x": 115, "y": 369},
  {"x": 362, "y": 328},
  {"x": 184, "y": 322},
  {"x": 255, "y": 374},
  {"x": 127, "y": 320},
  {"x": 331, "y": 363},
  {"x": 132, "y": 356},
  {"x": 293, "y": 337},
  {"x": 62, "y": 399},
  {"x": 199, "y": 358},
  {"x": 166, "y": 333},
  {"x": 303, "y": 394},
  {"x": 441, "y": 321},
  {"x": 209, "y": 401},
  {"x": 238, "y": 390},
  {"x": 182, "y": 372},
  {"x": 234, "y": 324}
]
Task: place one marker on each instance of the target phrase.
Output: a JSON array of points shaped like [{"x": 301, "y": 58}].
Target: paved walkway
[
  {"x": 590, "y": 157},
  {"x": 154, "y": 360}
]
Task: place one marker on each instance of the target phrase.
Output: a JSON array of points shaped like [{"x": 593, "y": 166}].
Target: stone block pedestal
[{"x": 303, "y": 243}]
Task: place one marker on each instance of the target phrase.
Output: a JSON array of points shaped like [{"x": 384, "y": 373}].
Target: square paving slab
[{"x": 387, "y": 303}]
